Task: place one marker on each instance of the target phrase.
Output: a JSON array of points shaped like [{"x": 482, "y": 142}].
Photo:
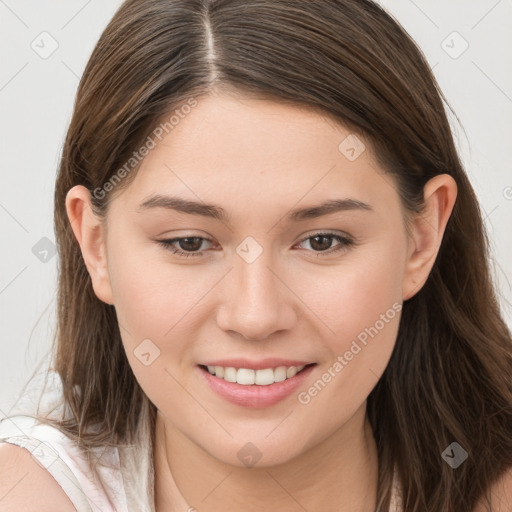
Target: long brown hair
[{"x": 449, "y": 378}]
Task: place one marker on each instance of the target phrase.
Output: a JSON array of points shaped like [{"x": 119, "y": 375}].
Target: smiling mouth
[{"x": 249, "y": 377}]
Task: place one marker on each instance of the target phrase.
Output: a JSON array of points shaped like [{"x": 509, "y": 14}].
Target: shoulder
[
  {"x": 26, "y": 485},
  {"x": 500, "y": 495}
]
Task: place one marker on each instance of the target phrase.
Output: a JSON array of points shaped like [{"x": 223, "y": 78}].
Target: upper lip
[{"x": 255, "y": 365}]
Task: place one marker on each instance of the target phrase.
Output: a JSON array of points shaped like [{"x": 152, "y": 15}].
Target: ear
[
  {"x": 427, "y": 230},
  {"x": 90, "y": 233}
]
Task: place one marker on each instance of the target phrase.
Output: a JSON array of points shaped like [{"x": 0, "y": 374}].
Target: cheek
[
  {"x": 353, "y": 295},
  {"x": 152, "y": 298},
  {"x": 150, "y": 293},
  {"x": 359, "y": 306},
  {"x": 157, "y": 303}
]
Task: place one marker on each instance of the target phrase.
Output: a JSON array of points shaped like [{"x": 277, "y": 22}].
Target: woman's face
[{"x": 259, "y": 283}]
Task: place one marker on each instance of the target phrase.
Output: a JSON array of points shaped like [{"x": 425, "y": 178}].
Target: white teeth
[
  {"x": 280, "y": 374},
  {"x": 291, "y": 372},
  {"x": 245, "y": 376},
  {"x": 248, "y": 377},
  {"x": 230, "y": 374},
  {"x": 264, "y": 377}
]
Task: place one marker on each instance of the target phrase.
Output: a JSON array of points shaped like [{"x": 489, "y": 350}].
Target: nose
[{"x": 257, "y": 301}]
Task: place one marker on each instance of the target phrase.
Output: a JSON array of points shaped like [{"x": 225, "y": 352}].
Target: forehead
[{"x": 242, "y": 151}]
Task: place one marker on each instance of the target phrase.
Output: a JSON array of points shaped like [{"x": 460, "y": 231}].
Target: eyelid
[{"x": 346, "y": 241}]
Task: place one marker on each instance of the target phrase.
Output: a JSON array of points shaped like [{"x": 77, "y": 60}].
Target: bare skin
[{"x": 259, "y": 160}]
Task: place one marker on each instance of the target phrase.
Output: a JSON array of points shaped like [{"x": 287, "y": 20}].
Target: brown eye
[
  {"x": 190, "y": 243},
  {"x": 188, "y": 246},
  {"x": 322, "y": 242}
]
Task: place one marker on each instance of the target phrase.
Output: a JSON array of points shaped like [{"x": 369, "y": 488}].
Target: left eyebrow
[{"x": 217, "y": 212}]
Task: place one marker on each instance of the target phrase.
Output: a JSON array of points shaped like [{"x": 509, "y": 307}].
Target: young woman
[{"x": 274, "y": 283}]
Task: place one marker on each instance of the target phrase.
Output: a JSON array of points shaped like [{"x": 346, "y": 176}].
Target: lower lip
[{"x": 253, "y": 395}]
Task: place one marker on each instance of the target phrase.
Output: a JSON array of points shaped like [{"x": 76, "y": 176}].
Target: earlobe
[
  {"x": 90, "y": 234},
  {"x": 427, "y": 230}
]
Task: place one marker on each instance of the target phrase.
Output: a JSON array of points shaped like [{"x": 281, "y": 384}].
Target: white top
[
  {"x": 68, "y": 465},
  {"x": 61, "y": 456},
  {"x": 67, "y": 462}
]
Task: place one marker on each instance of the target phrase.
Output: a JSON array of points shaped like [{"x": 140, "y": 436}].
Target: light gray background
[{"x": 36, "y": 99}]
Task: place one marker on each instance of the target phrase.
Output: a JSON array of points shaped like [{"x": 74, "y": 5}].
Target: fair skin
[{"x": 259, "y": 160}]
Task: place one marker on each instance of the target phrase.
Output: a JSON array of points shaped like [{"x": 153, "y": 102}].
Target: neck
[{"x": 339, "y": 474}]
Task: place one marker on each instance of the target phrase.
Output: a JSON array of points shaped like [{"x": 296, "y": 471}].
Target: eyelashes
[
  {"x": 169, "y": 245},
  {"x": 345, "y": 242}
]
